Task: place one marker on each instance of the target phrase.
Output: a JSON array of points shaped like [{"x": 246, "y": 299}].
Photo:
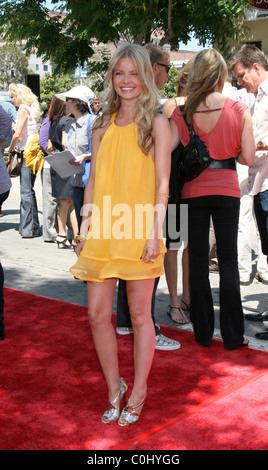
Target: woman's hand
[
  {"x": 79, "y": 247},
  {"x": 151, "y": 251},
  {"x": 50, "y": 148},
  {"x": 79, "y": 159}
]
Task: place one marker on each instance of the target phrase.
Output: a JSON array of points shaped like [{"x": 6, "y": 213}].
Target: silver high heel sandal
[
  {"x": 130, "y": 414},
  {"x": 112, "y": 414}
]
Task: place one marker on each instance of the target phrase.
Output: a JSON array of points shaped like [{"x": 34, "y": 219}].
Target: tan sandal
[{"x": 182, "y": 314}]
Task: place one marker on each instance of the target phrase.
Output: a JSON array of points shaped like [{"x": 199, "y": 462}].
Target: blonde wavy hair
[
  {"x": 207, "y": 69},
  {"x": 147, "y": 105},
  {"x": 26, "y": 96}
]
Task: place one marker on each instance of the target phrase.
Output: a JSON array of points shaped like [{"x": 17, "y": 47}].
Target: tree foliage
[
  {"x": 68, "y": 39},
  {"x": 13, "y": 65},
  {"x": 170, "y": 87},
  {"x": 97, "y": 67},
  {"x": 52, "y": 84}
]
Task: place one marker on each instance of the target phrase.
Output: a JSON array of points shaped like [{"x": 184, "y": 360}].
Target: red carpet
[{"x": 53, "y": 394}]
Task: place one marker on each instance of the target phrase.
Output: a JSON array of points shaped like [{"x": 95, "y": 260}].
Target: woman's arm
[
  {"x": 247, "y": 154},
  {"x": 23, "y": 116},
  {"x": 169, "y": 107},
  {"x": 175, "y": 138},
  {"x": 63, "y": 139},
  {"x": 50, "y": 148},
  {"x": 43, "y": 133},
  {"x": 162, "y": 160}
]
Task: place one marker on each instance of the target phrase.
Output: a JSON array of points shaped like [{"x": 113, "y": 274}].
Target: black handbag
[{"x": 194, "y": 158}]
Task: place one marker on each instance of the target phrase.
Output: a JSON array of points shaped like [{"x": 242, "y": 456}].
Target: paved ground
[{"x": 41, "y": 268}]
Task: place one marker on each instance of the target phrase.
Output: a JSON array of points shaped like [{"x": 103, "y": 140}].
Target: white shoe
[
  {"x": 166, "y": 344},
  {"x": 124, "y": 330},
  {"x": 161, "y": 342},
  {"x": 244, "y": 281}
]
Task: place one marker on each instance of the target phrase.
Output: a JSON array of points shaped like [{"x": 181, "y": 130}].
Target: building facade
[{"x": 256, "y": 26}]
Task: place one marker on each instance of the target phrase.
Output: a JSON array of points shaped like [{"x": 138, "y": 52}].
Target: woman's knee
[
  {"x": 100, "y": 302},
  {"x": 96, "y": 317},
  {"x": 140, "y": 314}
]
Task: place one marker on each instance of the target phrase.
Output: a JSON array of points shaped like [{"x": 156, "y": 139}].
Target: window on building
[
  {"x": 45, "y": 68},
  {"x": 37, "y": 67}
]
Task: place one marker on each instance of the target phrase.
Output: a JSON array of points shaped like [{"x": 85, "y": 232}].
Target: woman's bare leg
[
  {"x": 139, "y": 299},
  {"x": 171, "y": 272},
  {"x": 62, "y": 216},
  {"x": 100, "y": 309},
  {"x": 73, "y": 220}
]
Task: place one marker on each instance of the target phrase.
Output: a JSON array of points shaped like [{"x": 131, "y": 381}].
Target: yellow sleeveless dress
[{"x": 123, "y": 211}]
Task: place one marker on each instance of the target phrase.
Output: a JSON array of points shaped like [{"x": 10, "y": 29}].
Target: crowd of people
[{"x": 127, "y": 149}]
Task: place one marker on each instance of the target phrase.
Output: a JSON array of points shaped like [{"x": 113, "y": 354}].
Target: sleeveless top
[
  {"x": 123, "y": 211},
  {"x": 223, "y": 141},
  {"x": 30, "y": 128}
]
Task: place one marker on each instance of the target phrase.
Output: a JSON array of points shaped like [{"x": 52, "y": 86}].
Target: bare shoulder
[
  {"x": 160, "y": 124},
  {"x": 160, "y": 120},
  {"x": 23, "y": 112},
  {"x": 169, "y": 107},
  {"x": 100, "y": 128}
]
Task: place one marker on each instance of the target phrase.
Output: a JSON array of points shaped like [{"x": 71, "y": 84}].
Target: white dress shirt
[{"x": 258, "y": 172}]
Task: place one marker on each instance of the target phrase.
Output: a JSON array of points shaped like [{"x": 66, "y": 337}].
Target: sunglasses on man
[{"x": 167, "y": 67}]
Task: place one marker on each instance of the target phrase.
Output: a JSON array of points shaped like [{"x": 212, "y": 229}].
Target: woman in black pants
[{"x": 226, "y": 129}]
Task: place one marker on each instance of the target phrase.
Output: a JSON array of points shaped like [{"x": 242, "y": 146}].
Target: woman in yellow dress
[{"x": 124, "y": 208}]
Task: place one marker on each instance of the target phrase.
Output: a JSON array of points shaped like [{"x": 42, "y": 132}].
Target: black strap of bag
[
  {"x": 195, "y": 156},
  {"x": 188, "y": 162}
]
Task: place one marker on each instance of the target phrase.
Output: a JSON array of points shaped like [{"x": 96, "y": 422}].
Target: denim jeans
[
  {"x": 261, "y": 213},
  {"x": 29, "y": 223},
  {"x": 224, "y": 211}
]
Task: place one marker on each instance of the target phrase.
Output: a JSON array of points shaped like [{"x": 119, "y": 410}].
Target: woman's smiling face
[{"x": 126, "y": 80}]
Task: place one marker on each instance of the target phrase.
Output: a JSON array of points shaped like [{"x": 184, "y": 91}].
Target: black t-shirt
[{"x": 55, "y": 131}]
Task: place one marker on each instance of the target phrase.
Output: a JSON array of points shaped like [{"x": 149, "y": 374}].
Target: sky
[{"x": 191, "y": 45}]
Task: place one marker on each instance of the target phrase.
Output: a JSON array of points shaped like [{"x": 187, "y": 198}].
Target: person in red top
[{"x": 225, "y": 127}]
